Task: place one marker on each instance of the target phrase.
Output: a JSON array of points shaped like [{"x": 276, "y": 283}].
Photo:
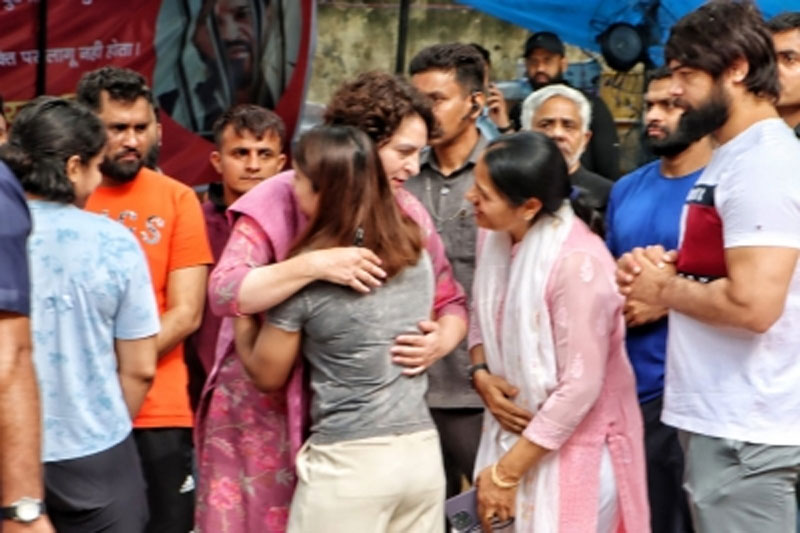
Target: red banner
[{"x": 200, "y": 57}]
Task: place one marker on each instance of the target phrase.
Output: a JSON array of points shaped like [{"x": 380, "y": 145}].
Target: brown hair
[
  {"x": 356, "y": 202},
  {"x": 249, "y": 117},
  {"x": 714, "y": 35},
  {"x": 376, "y": 103}
]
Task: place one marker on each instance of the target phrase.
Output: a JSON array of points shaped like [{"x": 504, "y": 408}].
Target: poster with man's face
[
  {"x": 228, "y": 52},
  {"x": 199, "y": 56}
]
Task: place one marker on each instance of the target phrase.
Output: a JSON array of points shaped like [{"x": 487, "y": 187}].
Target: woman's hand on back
[
  {"x": 354, "y": 266},
  {"x": 498, "y": 395},
  {"x": 419, "y": 351}
]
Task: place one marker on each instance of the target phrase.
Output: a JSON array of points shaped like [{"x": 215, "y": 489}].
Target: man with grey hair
[{"x": 564, "y": 114}]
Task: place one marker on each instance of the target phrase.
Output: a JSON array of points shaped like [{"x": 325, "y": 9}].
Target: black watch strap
[
  {"x": 475, "y": 368},
  {"x": 24, "y": 510}
]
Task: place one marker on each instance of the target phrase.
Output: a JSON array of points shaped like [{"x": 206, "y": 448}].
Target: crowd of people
[{"x": 443, "y": 291}]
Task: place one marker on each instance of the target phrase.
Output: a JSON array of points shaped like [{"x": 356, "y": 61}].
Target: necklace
[{"x": 445, "y": 190}]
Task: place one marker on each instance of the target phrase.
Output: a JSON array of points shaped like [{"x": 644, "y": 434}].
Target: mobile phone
[{"x": 462, "y": 513}]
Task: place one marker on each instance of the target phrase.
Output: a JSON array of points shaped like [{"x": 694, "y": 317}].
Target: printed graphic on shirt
[
  {"x": 152, "y": 225},
  {"x": 701, "y": 256}
]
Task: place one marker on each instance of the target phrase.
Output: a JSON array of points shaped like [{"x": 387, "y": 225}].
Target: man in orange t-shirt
[{"x": 166, "y": 218}]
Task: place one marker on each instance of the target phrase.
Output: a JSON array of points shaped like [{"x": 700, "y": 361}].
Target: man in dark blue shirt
[
  {"x": 645, "y": 209},
  {"x": 21, "y": 490}
]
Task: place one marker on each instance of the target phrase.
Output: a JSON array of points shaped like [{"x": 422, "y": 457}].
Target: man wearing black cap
[{"x": 545, "y": 64}]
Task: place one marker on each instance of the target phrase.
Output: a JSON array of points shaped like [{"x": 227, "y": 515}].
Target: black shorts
[
  {"x": 167, "y": 462},
  {"x": 104, "y": 492}
]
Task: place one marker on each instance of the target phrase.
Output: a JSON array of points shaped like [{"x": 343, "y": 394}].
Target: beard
[
  {"x": 708, "y": 117},
  {"x": 239, "y": 69},
  {"x": 123, "y": 172},
  {"x": 538, "y": 84},
  {"x": 673, "y": 142}
]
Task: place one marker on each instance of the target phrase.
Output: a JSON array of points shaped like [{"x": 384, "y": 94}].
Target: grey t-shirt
[{"x": 357, "y": 391}]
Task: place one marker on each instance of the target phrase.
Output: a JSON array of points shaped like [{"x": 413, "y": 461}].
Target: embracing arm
[
  {"x": 267, "y": 354},
  {"x": 247, "y": 279},
  {"x": 265, "y": 286}
]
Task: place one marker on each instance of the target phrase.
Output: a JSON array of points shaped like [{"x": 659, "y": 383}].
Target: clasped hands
[{"x": 642, "y": 275}]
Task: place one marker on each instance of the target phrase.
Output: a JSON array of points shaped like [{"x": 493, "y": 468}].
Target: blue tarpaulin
[{"x": 579, "y": 22}]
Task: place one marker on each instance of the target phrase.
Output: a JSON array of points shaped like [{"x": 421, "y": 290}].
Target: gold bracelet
[{"x": 499, "y": 482}]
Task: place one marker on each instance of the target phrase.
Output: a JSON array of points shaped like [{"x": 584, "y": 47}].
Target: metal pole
[
  {"x": 41, "y": 45},
  {"x": 402, "y": 37}
]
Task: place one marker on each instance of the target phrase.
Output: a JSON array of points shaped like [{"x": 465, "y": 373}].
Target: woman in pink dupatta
[
  {"x": 246, "y": 440},
  {"x": 562, "y": 448}
]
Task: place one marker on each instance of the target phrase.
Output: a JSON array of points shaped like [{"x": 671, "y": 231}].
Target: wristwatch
[
  {"x": 475, "y": 368},
  {"x": 24, "y": 510}
]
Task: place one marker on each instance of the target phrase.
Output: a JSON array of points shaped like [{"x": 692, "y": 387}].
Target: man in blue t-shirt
[
  {"x": 645, "y": 209},
  {"x": 21, "y": 490}
]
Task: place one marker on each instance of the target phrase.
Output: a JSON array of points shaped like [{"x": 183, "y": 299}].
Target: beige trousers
[{"x": 383, "y": 484}]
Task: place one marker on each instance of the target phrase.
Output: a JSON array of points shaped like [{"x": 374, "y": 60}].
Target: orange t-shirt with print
[{"x": 166, "y": 218}]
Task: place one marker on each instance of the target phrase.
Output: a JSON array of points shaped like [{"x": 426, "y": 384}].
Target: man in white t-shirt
[{"x": 733, "y": 289}]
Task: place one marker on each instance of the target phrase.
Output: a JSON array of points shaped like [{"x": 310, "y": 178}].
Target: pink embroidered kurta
[
  {"x": 594, "y": 402},
  {"x": 246, "y": 440}
]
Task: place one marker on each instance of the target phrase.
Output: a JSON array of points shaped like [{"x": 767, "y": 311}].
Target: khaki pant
[{"x": 383, "y": 484}]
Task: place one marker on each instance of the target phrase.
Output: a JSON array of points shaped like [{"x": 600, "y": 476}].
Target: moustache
[
  {"x": 128, "y": 151},
  {"x": 652, "y": 126},
  {"x": 681, "y": 103},
  {"x": 232, "y": 43}
]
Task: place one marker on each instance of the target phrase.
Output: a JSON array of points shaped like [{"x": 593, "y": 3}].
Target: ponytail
[
  {"x": 18, "y": 160},
  {"x": 593, "y": 217}
]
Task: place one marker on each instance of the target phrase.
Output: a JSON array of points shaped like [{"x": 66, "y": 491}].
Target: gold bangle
[{"x": 499, "y": 482}]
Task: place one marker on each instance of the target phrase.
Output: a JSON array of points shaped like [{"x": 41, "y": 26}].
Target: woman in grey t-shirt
[{"x": 372, "y": 462}]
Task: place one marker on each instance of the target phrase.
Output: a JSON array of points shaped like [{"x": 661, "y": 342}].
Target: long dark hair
[
  {"x": 45, "y": 134},
  {"x": 356, "y": 202},
  {"x": 528, "y": 165}
]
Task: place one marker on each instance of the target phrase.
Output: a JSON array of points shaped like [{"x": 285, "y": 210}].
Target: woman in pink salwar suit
[
  {"x": 568, "y": 455},
  {"x": 246, "y": 440}
]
